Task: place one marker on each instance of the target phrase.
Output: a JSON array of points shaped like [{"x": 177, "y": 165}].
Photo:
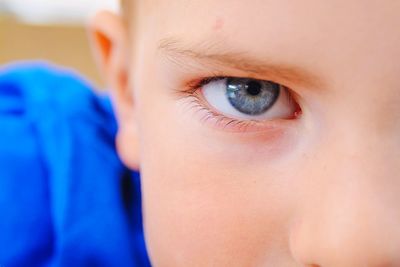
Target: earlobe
[
  {"x": 128, "y": 147},
  {"x": 108, "y": 39}
]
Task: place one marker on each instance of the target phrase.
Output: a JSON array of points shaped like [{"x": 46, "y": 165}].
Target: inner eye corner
[{"x": 298, "y": 110}]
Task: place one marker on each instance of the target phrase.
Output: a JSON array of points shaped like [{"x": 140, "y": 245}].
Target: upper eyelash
[{"x": 194, "y": 86}]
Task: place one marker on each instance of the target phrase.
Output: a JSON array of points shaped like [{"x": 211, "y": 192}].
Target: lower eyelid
[{"x": 208, "y": 116}]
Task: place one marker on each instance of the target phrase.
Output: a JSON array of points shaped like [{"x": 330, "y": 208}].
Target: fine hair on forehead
[
  {"x": 124, "y": 9},
  {"x": 124, "y": 4}
]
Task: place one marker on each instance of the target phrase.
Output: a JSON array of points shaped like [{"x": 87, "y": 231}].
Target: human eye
[
  {"x": 244, "y": 102},
  {"x": 245, "y": 98}
]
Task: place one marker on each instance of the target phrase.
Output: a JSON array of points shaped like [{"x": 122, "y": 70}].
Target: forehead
[
  {"x": 274, "y": 16},
  {"x": 318, "y": 35}
]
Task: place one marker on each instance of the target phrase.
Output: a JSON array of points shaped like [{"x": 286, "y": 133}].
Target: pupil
[{"x": 253, "y": 88}]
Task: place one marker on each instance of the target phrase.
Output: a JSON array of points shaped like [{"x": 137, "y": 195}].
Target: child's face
[{"x": 242, "y": 172}]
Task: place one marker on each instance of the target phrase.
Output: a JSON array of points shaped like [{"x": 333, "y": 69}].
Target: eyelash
[
  {"x": 220, "y": 119},
  {"x": 191, "y": 91}
]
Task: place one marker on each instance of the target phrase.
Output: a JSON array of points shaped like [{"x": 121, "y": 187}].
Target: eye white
[{"x": 215, "y": 94}]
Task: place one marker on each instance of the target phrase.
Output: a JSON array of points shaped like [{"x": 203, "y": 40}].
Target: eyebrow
[{"x": 211, "y": 53}]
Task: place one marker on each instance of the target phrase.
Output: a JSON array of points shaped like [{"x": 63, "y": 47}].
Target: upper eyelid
[{"x": 209, "y": 58}]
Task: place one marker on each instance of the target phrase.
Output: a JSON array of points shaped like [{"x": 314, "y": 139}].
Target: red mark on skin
[{"x": 219, "y": 24}]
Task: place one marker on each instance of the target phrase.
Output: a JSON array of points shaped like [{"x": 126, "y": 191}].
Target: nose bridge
[{"x": 351, "y": 212}]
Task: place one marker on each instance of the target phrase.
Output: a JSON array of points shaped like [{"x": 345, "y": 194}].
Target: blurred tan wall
[{"x": 65, "y": 45}]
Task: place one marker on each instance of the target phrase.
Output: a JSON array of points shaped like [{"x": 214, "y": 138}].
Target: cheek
[{"x": 209, "y": 194}]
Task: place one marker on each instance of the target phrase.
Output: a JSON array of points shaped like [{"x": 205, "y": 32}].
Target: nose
[{"x": 350, "y": 211}]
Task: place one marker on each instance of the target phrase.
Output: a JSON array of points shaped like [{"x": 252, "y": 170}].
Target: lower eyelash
[{"x": 220, "y": 120}]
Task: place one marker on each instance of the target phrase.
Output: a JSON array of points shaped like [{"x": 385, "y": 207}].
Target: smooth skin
[{"x": 321, "y": 188}]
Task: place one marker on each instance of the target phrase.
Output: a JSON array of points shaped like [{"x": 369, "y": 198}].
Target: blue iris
[{"x": 250, "y": 96}]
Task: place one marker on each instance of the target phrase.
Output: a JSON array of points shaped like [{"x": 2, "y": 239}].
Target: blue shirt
[{"x": 65, "y": 197}]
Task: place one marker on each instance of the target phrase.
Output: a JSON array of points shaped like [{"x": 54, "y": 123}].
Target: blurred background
[{"x": 52, "y": 30}]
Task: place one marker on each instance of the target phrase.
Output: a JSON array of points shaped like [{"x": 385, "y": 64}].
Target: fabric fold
[{"x": 63, "y": 189}]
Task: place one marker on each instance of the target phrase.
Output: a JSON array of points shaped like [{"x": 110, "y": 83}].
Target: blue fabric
[{"x": 65, "y": 197}]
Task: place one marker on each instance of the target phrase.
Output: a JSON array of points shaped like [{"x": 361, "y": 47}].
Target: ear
[{"x": 108, "y": 38}]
